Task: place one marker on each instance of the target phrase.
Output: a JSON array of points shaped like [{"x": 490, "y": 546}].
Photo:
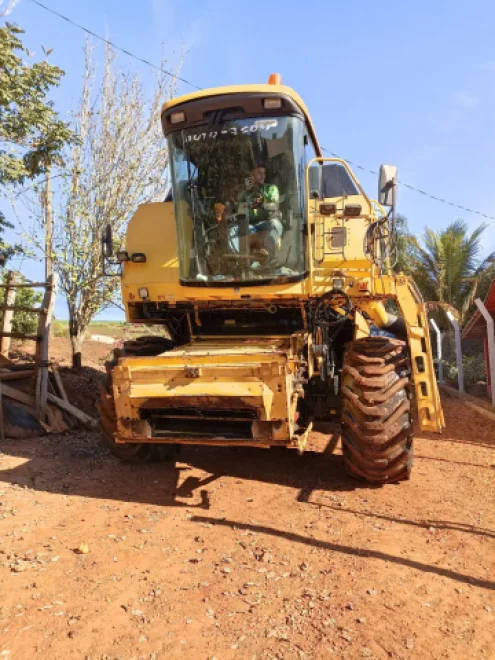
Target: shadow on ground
[
  {"x": 348, "y": 550},
  {"x": 79, "y": 464}
]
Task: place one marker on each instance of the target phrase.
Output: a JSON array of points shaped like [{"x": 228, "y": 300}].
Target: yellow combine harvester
[{"x": 269, "y": 270}]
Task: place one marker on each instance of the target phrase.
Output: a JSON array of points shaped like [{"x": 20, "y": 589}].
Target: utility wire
[
  {"x": 418, "y": 190},
  {"x": 187, "y": 82},
  {"x": 113, "y": 45}
]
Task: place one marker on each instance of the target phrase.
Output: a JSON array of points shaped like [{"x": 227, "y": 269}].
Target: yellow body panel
[
  {"x": 255, "y": 379},
  {"x": 253, "y": 89},
  {"x": 252, "y": 381},
  {"x": 152, "y": 231}
]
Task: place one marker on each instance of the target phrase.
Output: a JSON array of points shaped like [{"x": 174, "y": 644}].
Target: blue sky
[{"x": 393, "y": 82}]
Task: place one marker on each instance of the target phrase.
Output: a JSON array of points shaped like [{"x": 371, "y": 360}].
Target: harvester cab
[{"x": 268, "y": 269}]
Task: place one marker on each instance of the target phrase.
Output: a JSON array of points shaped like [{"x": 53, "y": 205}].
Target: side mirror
[
  {"x": 107, "y": 242},
  {"x": 387, "y": 185}
]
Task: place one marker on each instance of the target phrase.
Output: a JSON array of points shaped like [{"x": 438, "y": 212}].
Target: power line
[
  {"x": 113, "y": 45},
  {"x": 187, "y": 82},
  {"x": 418, "y": 190}
]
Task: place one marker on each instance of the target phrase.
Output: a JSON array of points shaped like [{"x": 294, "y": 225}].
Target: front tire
[
  {"x": 376, "y": 410},
  {"x": 137, "y": 453}
]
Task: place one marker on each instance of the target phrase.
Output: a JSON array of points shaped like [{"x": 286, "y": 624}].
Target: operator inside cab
[
  {"x": 260, "y": 201},
  {"x": 239, "y": 199}
]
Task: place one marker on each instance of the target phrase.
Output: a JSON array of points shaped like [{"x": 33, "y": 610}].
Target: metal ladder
[{"x": 323, "y": 240}]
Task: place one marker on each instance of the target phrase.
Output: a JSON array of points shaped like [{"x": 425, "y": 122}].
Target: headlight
[
  {"x": 272, "y": 104},
  {"x": 177, "y": 117}
]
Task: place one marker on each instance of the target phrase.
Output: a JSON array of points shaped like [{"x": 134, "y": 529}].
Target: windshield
[{"x": 239, "y": 201}]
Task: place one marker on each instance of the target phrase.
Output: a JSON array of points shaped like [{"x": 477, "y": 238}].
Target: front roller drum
[{"x": 376, "y": 410}]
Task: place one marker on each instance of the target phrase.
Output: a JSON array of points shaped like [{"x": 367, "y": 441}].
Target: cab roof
[{"x": 246, "y": 89}]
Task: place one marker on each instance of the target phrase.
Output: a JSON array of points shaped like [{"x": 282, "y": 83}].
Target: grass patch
[
  {"x": 116, "y": 329},
  {"x": 60, "y": 328}
]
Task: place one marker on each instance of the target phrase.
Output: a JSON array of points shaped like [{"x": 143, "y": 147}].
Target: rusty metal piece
[
  {"x": 301, "y": 439},
  {"x": 130, "y": 453}
]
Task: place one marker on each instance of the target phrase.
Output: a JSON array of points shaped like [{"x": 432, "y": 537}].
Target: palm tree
[
  {"x": 447, "y": 265},
  {"x": 404, "y": 245}
]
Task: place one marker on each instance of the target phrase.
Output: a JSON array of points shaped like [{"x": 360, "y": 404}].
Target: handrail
[{"x": 349, "y": 170}]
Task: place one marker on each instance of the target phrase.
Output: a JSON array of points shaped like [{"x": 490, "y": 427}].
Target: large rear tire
[
  {"x": 376, "y": 410},
  {"x": 132, "y": 452}
]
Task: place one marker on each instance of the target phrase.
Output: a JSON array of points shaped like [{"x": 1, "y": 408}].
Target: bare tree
[
  {"x": 7, "y": 7},
  {"x": 119, "y": 162}
]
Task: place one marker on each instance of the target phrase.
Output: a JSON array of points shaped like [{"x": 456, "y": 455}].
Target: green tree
[
  {"x": 448, "y": 267},
  {"x": 32, "y": 136},
  {"x": 25, "y": 322},
  {"x": 119, "y": 162},
  {"x": 404, "y": 245},
  {"x": 7, "y": 250}
]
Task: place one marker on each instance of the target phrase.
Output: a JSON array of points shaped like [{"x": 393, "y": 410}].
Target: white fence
[{"x": 460, "y": 362}]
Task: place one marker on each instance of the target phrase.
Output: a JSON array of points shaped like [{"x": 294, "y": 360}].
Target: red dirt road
[{"x": 242, "y": 553}]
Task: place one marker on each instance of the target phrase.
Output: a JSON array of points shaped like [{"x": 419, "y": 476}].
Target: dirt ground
[{"x": 244, "y": 553}]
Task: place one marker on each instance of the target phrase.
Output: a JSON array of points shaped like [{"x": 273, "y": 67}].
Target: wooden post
[
  {"x": 59, "y": 384},
  {"x": 47, "y": 202},
  {"x": 78, "y": 414},
  {"x": 44, "y": 324},
  {"x": 8, "y": 314},
  {"x": 2, "y": 423}
]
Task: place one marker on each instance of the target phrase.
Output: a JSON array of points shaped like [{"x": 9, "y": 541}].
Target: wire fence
[{"x": 473, "y": 362}]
